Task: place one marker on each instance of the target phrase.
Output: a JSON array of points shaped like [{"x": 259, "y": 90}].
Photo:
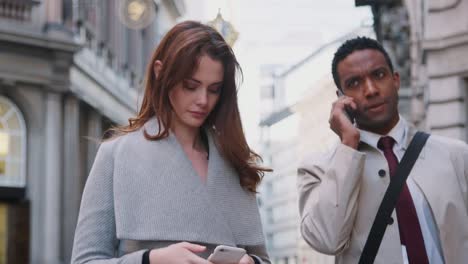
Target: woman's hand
[
  {"x": 246, "y": 259},
  {"x": 180, "y": 253}
]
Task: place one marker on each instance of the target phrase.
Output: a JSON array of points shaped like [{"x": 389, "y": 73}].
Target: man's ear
[
  {"x": 396, "y": 80},
  {"x": 157, "y": 66}
]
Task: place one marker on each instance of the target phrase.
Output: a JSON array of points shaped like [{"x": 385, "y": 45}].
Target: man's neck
[{"x": 382, "y": 130}]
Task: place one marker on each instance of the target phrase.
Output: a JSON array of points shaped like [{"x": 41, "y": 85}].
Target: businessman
[{"x": 340, "y": 192}]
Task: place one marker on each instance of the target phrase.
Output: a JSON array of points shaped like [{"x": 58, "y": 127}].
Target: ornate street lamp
[
  {"x": 137, "y": 14},
  {"x": 225, "y": 28}
]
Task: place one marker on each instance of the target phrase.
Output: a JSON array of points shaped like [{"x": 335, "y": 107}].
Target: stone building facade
[
  {"x": 69, "y": 70},
  {"x": 432, "y": 43}
]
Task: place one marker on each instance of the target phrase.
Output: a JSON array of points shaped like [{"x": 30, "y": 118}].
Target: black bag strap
[{"x": 391, "y": 197}]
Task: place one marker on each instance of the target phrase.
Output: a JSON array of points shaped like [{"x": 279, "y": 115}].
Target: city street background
[{"x": 72, "y": 69}]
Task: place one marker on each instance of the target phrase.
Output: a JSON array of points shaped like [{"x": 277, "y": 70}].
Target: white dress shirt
[{"x": 423, "y": 210}]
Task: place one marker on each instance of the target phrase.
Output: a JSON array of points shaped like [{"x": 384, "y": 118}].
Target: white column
[
  {"x": 53, "y": 172},
  {"x": 418, "y": 70},
  {"x": 72, "y": 173},
  {"x": 54, "y": 11}
]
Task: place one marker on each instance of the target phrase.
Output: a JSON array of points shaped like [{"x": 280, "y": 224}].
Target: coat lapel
[
  {"x": 411, "y": 132},
  {"x": 435, "y": 173}
]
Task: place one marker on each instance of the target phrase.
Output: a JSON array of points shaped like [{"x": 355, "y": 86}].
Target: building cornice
[
  {"x": 440, "y": 6},
  {"x": 276, "y": 116},
  {"x": 95, "y": 83},
  {"x": 28, "y": 36},
  {"x": 445, "y": 42}
]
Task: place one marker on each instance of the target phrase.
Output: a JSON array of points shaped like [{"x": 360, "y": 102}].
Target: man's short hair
[{"x": 351, "y": 45}]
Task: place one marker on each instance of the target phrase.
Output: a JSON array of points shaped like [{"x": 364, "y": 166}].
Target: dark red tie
[{"x": 410, "y": 230}]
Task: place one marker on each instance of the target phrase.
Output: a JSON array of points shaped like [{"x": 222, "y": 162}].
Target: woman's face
[{"x": 194, "y": 98}]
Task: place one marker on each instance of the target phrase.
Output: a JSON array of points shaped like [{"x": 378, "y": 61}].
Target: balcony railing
[{"x": 17, "y": 9}]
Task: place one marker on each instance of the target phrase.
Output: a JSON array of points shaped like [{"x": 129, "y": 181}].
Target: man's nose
[{"x": 370, "y": 88}]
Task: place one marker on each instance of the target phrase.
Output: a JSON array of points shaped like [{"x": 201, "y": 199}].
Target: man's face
[{"x": 366, "y": 77}]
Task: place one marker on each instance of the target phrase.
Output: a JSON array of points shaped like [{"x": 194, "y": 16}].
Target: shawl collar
[{"x": 159, "y": 196}]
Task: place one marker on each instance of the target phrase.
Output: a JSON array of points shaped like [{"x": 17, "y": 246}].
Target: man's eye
[
  {"x": 353, "y": 83},
  {"x": 380, "y": 74}
]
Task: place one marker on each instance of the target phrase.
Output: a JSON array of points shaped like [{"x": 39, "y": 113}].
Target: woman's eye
[
  {"x": 214, "y": 90},
  {"x": 190, "y": 86}
]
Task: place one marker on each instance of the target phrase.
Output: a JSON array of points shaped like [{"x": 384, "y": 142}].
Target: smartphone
[
  {"x": 348, "y": 111},
  {"x": 226, "y": 255}
]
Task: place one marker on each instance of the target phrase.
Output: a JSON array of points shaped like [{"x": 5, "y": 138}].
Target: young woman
[{"x": 180, "y": 179}]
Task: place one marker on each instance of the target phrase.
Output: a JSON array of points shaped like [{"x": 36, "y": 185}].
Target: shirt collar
[{"x": 399, "y": 132}]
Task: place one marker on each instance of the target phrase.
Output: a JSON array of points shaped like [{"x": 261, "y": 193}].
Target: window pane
[
  {"x": 3, "y": 109},
  {"x": 2, "y": 168},
  {"x": 13, "y": 123},
  {"x": 15, "y": 147},
  {"x": 14, "y": 171},
  {"x": 4, "y": 144},
  {"x": 12, "y": 143}
]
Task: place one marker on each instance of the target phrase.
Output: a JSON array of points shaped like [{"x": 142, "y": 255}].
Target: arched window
[{"x": 12, "y": 145}]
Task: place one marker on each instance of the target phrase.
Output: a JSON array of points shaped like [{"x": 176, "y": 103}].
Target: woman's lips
[{"x": 198, "y": 115}]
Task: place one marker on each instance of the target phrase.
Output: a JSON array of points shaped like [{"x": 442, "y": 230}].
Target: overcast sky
[{"x": 277, "y": 32}]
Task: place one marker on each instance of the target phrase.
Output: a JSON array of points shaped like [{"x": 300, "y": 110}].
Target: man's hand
[
  {"x": 180, "y": 253},
  {"x": 340, "y": 123}
]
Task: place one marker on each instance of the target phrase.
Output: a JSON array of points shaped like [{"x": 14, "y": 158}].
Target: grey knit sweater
[{"x": 146, "y": 194}]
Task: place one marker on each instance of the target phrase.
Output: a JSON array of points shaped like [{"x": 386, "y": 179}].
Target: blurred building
[
  {"x": 431, "y": 39},
  {"x": 296, "y": 103},
  {"x": 69, "y": 69}
]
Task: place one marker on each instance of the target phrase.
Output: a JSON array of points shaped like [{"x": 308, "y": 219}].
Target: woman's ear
[{"x": 157, "y": 66}]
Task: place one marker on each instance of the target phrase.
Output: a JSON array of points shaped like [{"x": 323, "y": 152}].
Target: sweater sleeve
[
  {"x": 258, "y": 253},
  {"x": 95, "y": 235}
]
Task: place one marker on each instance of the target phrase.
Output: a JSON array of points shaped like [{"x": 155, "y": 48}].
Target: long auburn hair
[{"x": 179, "y": 51}]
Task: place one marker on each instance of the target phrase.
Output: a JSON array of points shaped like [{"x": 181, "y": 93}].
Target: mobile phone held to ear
[
  {"x": 226, "y": 255},
  {"x": 348, "y": 111}
]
